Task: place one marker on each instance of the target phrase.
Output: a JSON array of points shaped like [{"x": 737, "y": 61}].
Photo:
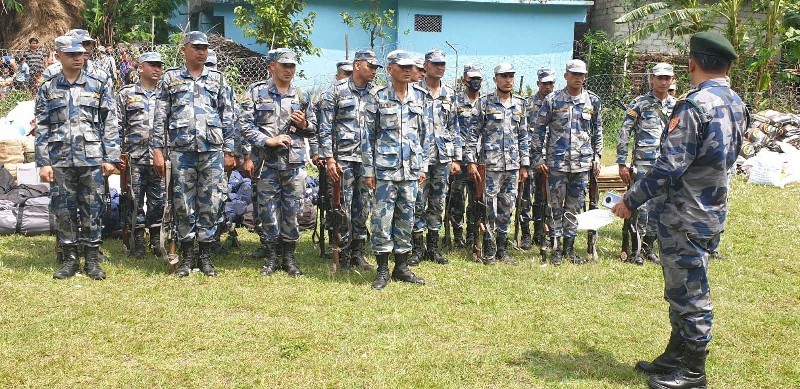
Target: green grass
[{"x": 504, "y": 326}]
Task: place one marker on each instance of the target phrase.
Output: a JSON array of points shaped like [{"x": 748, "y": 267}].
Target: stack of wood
[
  {"x": 14, "y": 152},
  {"x": 610, "y": 181}
]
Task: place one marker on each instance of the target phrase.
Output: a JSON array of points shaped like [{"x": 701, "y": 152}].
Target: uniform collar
[
  {"x": 185, "y": 72},
  {"x": 721, "y": 81},
  {"x": 352, "y": 85},
  {"x": 62, "y": 80},
  {"x": 272, "y": 89},
  {"x": 410, "y": 96}
]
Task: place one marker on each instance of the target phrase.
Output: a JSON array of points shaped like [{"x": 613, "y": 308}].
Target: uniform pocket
[
  {"x": 214, "y": 130},
  {"x": 57, "y": 108},
  {"x": 265, "y": 114},
  {"x": 92, "y": 146},
  {"x": 389, "y": 117}
]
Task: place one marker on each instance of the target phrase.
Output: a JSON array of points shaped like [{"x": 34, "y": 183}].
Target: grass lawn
[{"x": 504, "y": 326}]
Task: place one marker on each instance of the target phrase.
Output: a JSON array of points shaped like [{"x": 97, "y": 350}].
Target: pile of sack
[
  {"x": 24, "y": 208},
  {"x": 770, "y": 153}
]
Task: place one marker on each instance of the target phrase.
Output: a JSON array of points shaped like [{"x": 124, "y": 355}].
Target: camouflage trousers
[
  {"x": 76, "y": 196},
  {"x": 393, "y": 216},
  {"x": 146, "y": 182},
  {"x": 538, "y": 201},
  {"x": 280, "y": 195},
  {"x": 525, "y": 205},
  {"x": 429, "y": 206},
  {"x": 355, "y": 201},
  {"x": 566, "y": 198},
  {"x": 197, "y": 189},
  {"x": 463, "y": 191},
  {"x": 500, "y": 195},
  {"x": 647, "y": 213},
  {"x": 684, "y": 260}
]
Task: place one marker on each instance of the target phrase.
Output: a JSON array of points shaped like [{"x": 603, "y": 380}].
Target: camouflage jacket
[
  {"x": 136, "y": 106},
  {"x": 701, "y": 143},
  {"x": 265, "y": 113},
  {"x": 463, "y": 115},
  {"x": 342, "y": 112},
  {"x": 498, "y": 135},
  {"x": 573, "y": 130},
  {"x": 645, "y": 120},
  {"x": 442, "y": 115},
  {"x": 76, "y": 124},
  {"x": 534, "y": 104},
  {"x": 194, "y": 115},
  {"x": 397, "y": 141}
]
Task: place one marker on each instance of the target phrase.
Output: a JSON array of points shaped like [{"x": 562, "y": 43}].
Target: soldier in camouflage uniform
[
  {"x": 136, "y": 104},
  {"x": 194, "y": 121},
  {"x": 463, "y": 189},
  {"x": 645, "y": 121},
  {"x": 341, "y": 132},
  {"x": 89, "y": 65},
  {"x": 344, "y": 69},
  {"x": 532, "y": 188},
  {"x": 702, "y": 141},
  {"x": 498, "y": 137},
  {"x": 445, "y": 159},
  {"x": 418, "y": 72},
  {"x": 77, "y": 144},
  {"x": 571, "y": 124},
  {"x": 395, "y": 159},
  {"x": 276, "y": 119}
]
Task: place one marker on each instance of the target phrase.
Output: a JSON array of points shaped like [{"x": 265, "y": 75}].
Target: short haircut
[
  {"x": 711, "y": 63},
  {"x": 33, "y": 39}
]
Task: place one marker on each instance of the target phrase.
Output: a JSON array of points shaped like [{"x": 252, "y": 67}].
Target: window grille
[{"x": 428, "y": 23}]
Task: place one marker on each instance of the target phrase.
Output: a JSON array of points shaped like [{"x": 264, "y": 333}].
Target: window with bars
[{"x": 427, "y": 23}]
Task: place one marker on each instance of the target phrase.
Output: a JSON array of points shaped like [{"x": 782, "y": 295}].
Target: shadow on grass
[{"x": 584, "y": 363}]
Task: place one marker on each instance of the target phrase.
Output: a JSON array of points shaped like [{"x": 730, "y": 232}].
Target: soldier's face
[
  {"x": 365, "y": 70},
  {"x": 402, "y": 73},
  {"x": 150, "y": 70},
  {"x": 661, "y": 83},
  {"x": 505, "y": 82},
  {"x": 575, "y": 80},
  {"x": 195, "y": 55},
  {"x": 417, "y": 74},
  {"x": 71, "y": 61},
  {"x": 546, "y": 88},
  {"x": 435, "y": 70},
  {"x": 283, "y": 71}
]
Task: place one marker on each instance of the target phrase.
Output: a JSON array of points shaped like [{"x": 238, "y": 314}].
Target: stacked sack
[
  {"x": 770, "y": 153},
  {"x": 769, "y": 127}
]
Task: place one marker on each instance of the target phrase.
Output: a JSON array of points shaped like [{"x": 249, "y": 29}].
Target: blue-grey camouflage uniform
[
  {"x": 194, "y": 120},
  {"x": 282, "y": 173},
  {"x": 645, "y": 121},
  {"x": 461, "y": 182},
  {"x": 498, "y": 137},
  {"x": 698, "y": 148},
  {"x": 447, "y": 147},
  {"x": 573, "y": 130},
  {"x": 90, "y": 66},
  {"x": 530, "y": 187},
  {"x": 343, "y": 114},
  {"x": 136, "y": 106},
  {"x": 76, "y": 132},
  {"x": 395, "y": 153}
]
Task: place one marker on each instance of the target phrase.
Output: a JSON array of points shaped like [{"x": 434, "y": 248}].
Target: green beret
[{"x": 712, "y": 43}]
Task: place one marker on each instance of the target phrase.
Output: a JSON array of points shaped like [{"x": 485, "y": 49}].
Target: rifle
[
  {"x": 169, "y": 234},
  {"x": 544, "y": 209},
  {"x": 324, "y": 206},
  {"x": 447, "y": 241},
  {"x": 479, "y": 207},
  {"x": 127, "y": 203},
  {"x": 591, "y": 237},
  {"x": 631, "y": 239},
  {"x": 336, "y": 216}
]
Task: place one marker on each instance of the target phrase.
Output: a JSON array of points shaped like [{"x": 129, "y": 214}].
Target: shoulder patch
[
  {"x": 673, "y": 124},
  {"x": 632, "y": 113}
]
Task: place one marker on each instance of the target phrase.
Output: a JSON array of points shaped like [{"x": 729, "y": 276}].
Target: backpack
[{"x": 307, "y": 217}]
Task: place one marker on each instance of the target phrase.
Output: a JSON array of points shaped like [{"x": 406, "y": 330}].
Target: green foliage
[
  {"x": 277, "y": 23},
  {"x": 682, "y": 17},
  {"x": 129, "y": 20},
  {"x": 603, "y": 54},
  {"x": 374, "y": 21},
  {"x": 10, "y": 6},
  {"x": 11, "y": 99}
]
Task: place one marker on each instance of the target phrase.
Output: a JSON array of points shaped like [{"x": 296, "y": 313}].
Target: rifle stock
[
  {"x": 336, "y": 209},
  {"x": 479, "y": 207},
  {"x": 127, "y": 203},
  {"x": 169, "y": 234}
]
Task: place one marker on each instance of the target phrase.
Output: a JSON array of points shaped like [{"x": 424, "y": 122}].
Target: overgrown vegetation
[
  {"x": 278, "y": 23},
  {"x": 375, "y": 21},
  {"x": 130, "y": 20},
  {"x": 11, "y": 99}
]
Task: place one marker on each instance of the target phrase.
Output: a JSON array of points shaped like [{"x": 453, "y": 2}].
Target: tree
[
  {"x": 275, "y": 22},
  {"x": 130, "y": 19},
  {"x": 682, "y": 17},
  {"x": 374, "y": 21}
]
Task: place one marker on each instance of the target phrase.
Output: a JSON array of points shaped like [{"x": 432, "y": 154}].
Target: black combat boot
[
  {"x": 357, "y": 255},
  {"x": 555, "y": 253},
  {"x": 271, "y": 262},
  {"x": 344, "y": 257},
  {"x": 649, "y": 248},
  {"x": 188, "y": 260},
  {"x": 527, "y": 241},
  {"x": 155, "y": 240},
  {"x": 138, "y": 243},
  {"x": 458, "y": 237},
  {"x": 691, "y": 374},
  {"x": 205, "y": 259},
  {"x": 418, "y": 248},
  {"x": 289, "y": 261},
  {"x": 668, "y": 361},
  {"x": 489, "y": 250},
  {"x": 262, "y": 250},
  {"x": 502, "y": 247},
  {"x": 636, "y": 257},
  {"x": 569, "y": 251},
  {"x": 92, "y": 265},
  {"x": 69, "y": 262},
  {"x": 469, "y": 240},
  {"x": 382, "y": 275},
  {"x": 401, "y": 271},
  {"x": 433, "y": 253}
]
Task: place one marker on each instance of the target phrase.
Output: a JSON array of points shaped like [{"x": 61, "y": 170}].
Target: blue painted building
[{"x": 529, "y": 34}]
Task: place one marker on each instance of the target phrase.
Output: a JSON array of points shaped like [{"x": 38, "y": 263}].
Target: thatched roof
[{"x": 43, "y": 19}]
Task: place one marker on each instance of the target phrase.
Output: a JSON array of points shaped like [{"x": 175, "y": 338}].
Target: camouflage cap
[
  {"x": 81, "y": 35},
  {"x": 504, "y": 67},
  {"x": 576, "y": 66},
  {"x": 346, "y": 66},
  {"x": 546, "y": 75},
  {"x": 366, "y": 55},
  {"x": 211, "y": 60},
  {"x": 473, "y": 70},
  {"x": 150, "y": 56},
  {"x": 69, "y": 44},
  {"x": 712, "y": 43},
  {"x": 400, "y": 57},
  {"x": 195, "y": 38},
  {"x": 435, "y": 56},
  {"x": 286, "y": 56},
  {"x": 663, "y": 69}
]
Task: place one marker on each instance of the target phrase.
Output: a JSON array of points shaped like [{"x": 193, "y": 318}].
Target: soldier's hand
[
  {"x": 230, "y": 162},
  {"x": 369, "y": 182},
  {"x": 625, "y": 174},
  {"x": 543, "y": 169},
  {"x": 46, "y": 174},
  {"x": 248, "y": 167},
  {"x": 455, "y": 168},
  {"x": 333, "y": 169},
  {"x": 523, "y": 174},
  {"x": 422, "y": 178},
  {"x": 108, "y": 169},
  {"x": 299, "y": 119},
  {"x": 621, "y": 210},
  {"x": 123, "y": 164},
  {"x": 474, "y": 176},
  {"x": 158, "y": 163},
  {"x": 283, "y": 141},
  {"x": 596, "y": 168},
  {"x": 317, "y": 161}
]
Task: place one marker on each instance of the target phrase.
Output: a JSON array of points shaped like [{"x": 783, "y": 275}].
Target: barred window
[{"x": 428, "y": 23}]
